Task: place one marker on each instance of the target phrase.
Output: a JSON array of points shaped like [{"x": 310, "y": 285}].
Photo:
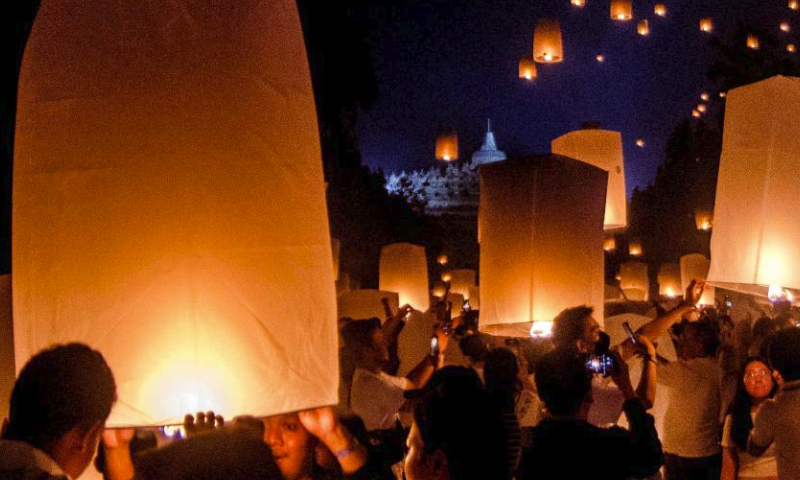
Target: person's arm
[
  {"x": 762, "y": 434},
  {"x": 117, "y": 449},
  {"x": 420, "y": 374},
  {"x": 394, "y": 321},
  {"x": 323, "y": 424},
  {"x": 730, "y": 465},
  {"x": 646, "y": 390}
]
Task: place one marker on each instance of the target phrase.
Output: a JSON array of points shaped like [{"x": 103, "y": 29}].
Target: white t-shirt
[
  {"x": 691, "y": 422},
  {"x": 607, "y": 400},
  {"x": 377, "y": 398},
  {"x": 748, "y": 465},
  {"x": 778, "y": 421}
]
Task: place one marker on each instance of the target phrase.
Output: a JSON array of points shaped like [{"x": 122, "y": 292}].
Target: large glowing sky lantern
[
  {"x": 754, "y": 244},
  {"x": 404, "y": 269},
  {"x": 541, "y": 242},
  {"x": 169, "y": 205},
  {"x": 601, "y": 148}
]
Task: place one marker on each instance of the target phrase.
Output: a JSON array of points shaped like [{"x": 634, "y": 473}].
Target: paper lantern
[
  {"x": 336, "y": 246},
  {"x": 706, "y": 25},
  {"x": 794, "y": 5},
  {"x": 695, "y": 267},
  {"x": 366, "y": 303},
  {"x": 475, "y": 297},
  {"x": 527, "y": 69},
  {"x": 790, "y": 48},
  {"x": 6, "y": 345},
  {"x": 578, "y": 3},
  {"x": 635, "y": 248},
  {"x": 600, "y": 58},
  {"x": 784, "y": 26},
  {"x": 703, "y": 219},
  {"x": 414, "y": 342},
  {"x": 752, "y": 42},
  {"x": 447, "y": 147},
  {"x": 702, "y": 108},
  {"x": 147, "y": 136},
  {"x": 439, "y": 289},
  {"x": 669, "y": 280},
  {"x": 461, "y": 282},
  {"x": 603, "y": 149},
  {"x": 754, "y": 244},
  {"x": 404, "y": 269},
  {"x": 640, "y": 143},
  {"x": 633, "y": 280},
  {"x": 696, "y": 113},
  {"x": 723, "y": 94},
  {"x": 441, "y": 259},
  {"x": 547, "y": 47},
  {"x": 609, "y": 244},
  {"x": 704, "y": 96},
  {"x": 621, "y": 10},
  {"x": 447, "y": 277},
  {"x": 541, "y": 221},
  {"x": 643, "y": 28},
  {"x": 660, "y": 9},
  {"x": 343, "y": 284}
]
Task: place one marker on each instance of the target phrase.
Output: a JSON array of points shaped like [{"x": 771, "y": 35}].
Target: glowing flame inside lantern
[
  {"x": 578, "y": 3},
  {"x": 695, "y": 114},
  {"x": 790, "y": 48},
  {"x": 779, "y": 294},
  {"x": 706, "y": 25},
  {"x": 704, "y": 97},
  {"x": 702, "y": 108},
  {"x": 660, "y": 10},
  {"x": 438, "y": 292},
  {"x": 609, "y": 245},
  {"x": 752, "y": 42},
  {"x": 447, "y": 277},
  {"x": 635, "y": 249},
  {"x": 794, "y": 5},
  {"x": 643, "y": 28},
  {"x": 785, "y": 27},
  {"x": 639, "y": 142},
  {"x": 541, "y": 329},
  {"x": 441, "y": 259},
  {"x": 723, "y": 94},
  {"x": 670, "y": 292},
  {"x": 601, "y": 58}
]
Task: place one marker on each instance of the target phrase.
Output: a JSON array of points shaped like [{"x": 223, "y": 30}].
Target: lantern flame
[
  {"x": 785, "y": 27},
  {"x": 704, "y": 96},
  {"x": 779, "y": 294},
  {"x": 794, "y": 5},
  {"x": 706, "y": 25},
  {"x": 578, "y": 3},
  {"x": 541, "y": 329},
  {"x": 527, "y": 69},
  {"x": 695, "y": 114},
  {"x": 547, "y": 44},
  {"x": 752, "y": 42},
  {"x": 609, "y": 245},
  {"x": 643, "y": 28},
  {"x": 660, "y": 10},
  {"x": 702, "y": 108},
  {"x": 441, "y": 259},
  {"x": 447, "y": 277},
  {"x": 621, "y": 10},
  {"x": 790, "y": 48},
  {"x": 601, "y": 58},
  {"x": 447, "y": 147}
]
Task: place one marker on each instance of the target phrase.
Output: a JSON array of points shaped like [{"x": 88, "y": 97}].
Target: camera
[{"x": 434, "y": 346}]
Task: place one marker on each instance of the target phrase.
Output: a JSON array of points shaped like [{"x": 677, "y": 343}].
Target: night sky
[{"x": 442, "y": 64}]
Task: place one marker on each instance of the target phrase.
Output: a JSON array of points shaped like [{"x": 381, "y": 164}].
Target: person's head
[
  {"x": 455, "y": 435},
  {"x": 576, "y": 328},
  {"x": 699, "y": 339},
  {"x": 501, "y": 374},
  {"x": 783, "y": 350},
  {"x": 474, "y": 348},
  {"x": 754, "y": 386},
  {"x": 60, "y": 403},
  {"x": 564, "y": 384},
  {"x": 366, "y": 341},
  {"x": 293, "y": 447}
]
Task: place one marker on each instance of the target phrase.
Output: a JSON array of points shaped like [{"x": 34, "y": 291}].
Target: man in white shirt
[
  {"x": 778, "y": 419},
  {"x": 376, "y": 396},
  {"x": 692, "y": 419},
  {"x": 59, "y": 405}
]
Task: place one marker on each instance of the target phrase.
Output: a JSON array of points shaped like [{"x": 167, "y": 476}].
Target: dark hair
[
  {"x": 741, "y": 421},
  {"x": 501, "y": 376},
  {"x": 569, "y": 325},
  {"x": 562, "y": 381},
  {"x": 474, "y": 347},
  {"x": 764, "y": 327},
  {"x": 783, "y": 350},
  {"x": 357, "y": 334},
  {"x": 455, "y": 416},
  {"x": 707, "y": 333},
  {"x": 60, "y": 388}
]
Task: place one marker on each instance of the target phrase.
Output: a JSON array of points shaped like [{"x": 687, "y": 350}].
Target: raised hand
[
  {"x": 320, "y": 422},
  {"x": 114, "y": 438},
  {"x": 204, "y": 423}
]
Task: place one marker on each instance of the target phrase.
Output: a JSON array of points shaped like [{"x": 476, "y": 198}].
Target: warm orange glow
[
  {"x": 447, "y": 277},
  {"x": 704, "y": 96},
  {"x": 461, "y": 282},
  {"x": 703, "y": 219},
  {"x": 609, "y": 244},
  {"x": 794, "y": 5},
  {"x": 621, "y": 10},
  {"x": 404, "y": 269},
  {"x": 660, "y": 9},
  {"x": 635, "y": 248},
  {"x": 441, "y": 259},
  {"x": 639, "y": 142},
  {"x": 438, "y": 291},
  {"x": 790, "y": 48},
  {"x": 600, "y": 58},
  {"x": 643, "y": 28},
  {"x": 785, "y": 27},
  {"x": 547, "y": 46},
  {"x": 777, "y": 293},
  {"x": 723, "y": 94},
  {"x": 633, "y": 280},
  {"x": 696, "y": 114},
  {"x": 447, "y": 147},
  {"x": 669, "y": 280},
  {"x": 578, "y": 3},
  {"x": 541, "y": 329},
  {"x": 706, "y": 25},
  {"x": 752, "y": 42},
  {"x": 702, "y": 108},
  {"x": 527, "y": 69}
]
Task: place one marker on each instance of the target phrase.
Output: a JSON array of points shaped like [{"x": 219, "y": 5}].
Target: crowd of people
[{"x": 497, "y": 409}]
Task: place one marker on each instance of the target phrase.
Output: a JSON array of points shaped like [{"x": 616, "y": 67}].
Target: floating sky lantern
[
  {"x": 621, "y": 10},
  {"x": 784, "y": 26},
  {"x": 669, "y": 280},
  {"x": 439, "y": 289},
  {"x": 754, "y": 244},
  {"x": 640, "y": 142},
  {"x": 447, "y": 146},
  {"x": 461, "y": 282},
  {"x": 633, "y": 280},
  {"x": 695, "y": 267},
  {"x": 366, "y": 303},
  {"x": 609, "y": 244},
  {"x": 704, "y": 96},
  {"x": 723, "y": 94},
  {"x": 794, "y": 4},
  {"x": 660, "y": 10},
  {"x": 635, "y": 248},
  {"x": 643, "y": 28},
  {"x": 752, "y": 42},
  {"x": 601, "y": 148},
  {"x": 547, "y": 46},
  {"x": 703, "y": 218},
  {"x": 527, "y": 69},
  {"x": 702, "y": 108},
  {"x": 578, "y": 3},
  {"x": 542, "y": 233},
  {"x": 790, "y": 48},
  {"x": 706, "y": 25},
  {"x": 139, "y": 177},
  {"x": 447, "y": 277},
  {"x": 404, "y": 269},
  {"x": 696, "y": 113},
  {"x": 600, "y": 58},
  {"x": 442, "y": 259}
]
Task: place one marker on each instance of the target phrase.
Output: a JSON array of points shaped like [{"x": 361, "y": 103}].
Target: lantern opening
[
  {"x": 777, "y": 293},
  {"x": 541, "y": 329},
  {"x": 547, "y": 44}
]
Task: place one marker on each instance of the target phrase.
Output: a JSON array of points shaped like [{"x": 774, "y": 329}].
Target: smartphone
[
  {"x": 434, "y": 346},
  {"x": 466, "y": 306},
  {"x": 627, "y": 327},
  {"x": 601, "y": 364}
]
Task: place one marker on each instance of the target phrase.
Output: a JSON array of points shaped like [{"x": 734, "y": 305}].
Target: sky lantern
[
  {"x": 704, "y": 96},
  {"x": 784, "y": 26},
  {"x": 621, "y": 10},
  {"x": 669, "y": 280},
  {"x": 542, "y": 233},
  {"x": 704, "y": 219},
  {"x": 702, "y": 108},
  {"x": 547, "y": 46},
  {"x": 143, "y": 150},
  {"x": 706, "y": 25},
  {"x": 600, "y": 58},
  {"x": 578, "y": 3},
  {"x": 640, "y": 142},
  {"x": 446, "y": 277},
  {"x": 794, "y": 4},
  {"x": 696, "y": 113},
  {"x": 790, "y": 48},
  {"x": 635, "y": 248},
  {"x": 603, "y": 149},
  {"x": 441, "y": 259},
  {"x": 754, "y": 243},
  {"x": 609, "y": 244},
  {"x": 723, "y": 94},
  {"x": 462, "y": 280},
  {"x": 695, "y": 267},
  {"x": 527, "y": 69},
  {"x": 752, "y": 42},
  {"x": 404, "y": 269},
  {"x": 447, "y": 146},
  {"x": 643, "y": 28},
  {"x": 633, "y": 280},
  {"x": 660, "y": 10},
  {"x": 366, "y": 303}
]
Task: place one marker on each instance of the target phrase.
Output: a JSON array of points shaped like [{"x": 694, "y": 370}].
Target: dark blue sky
[{"x": 450, "y": 65}]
